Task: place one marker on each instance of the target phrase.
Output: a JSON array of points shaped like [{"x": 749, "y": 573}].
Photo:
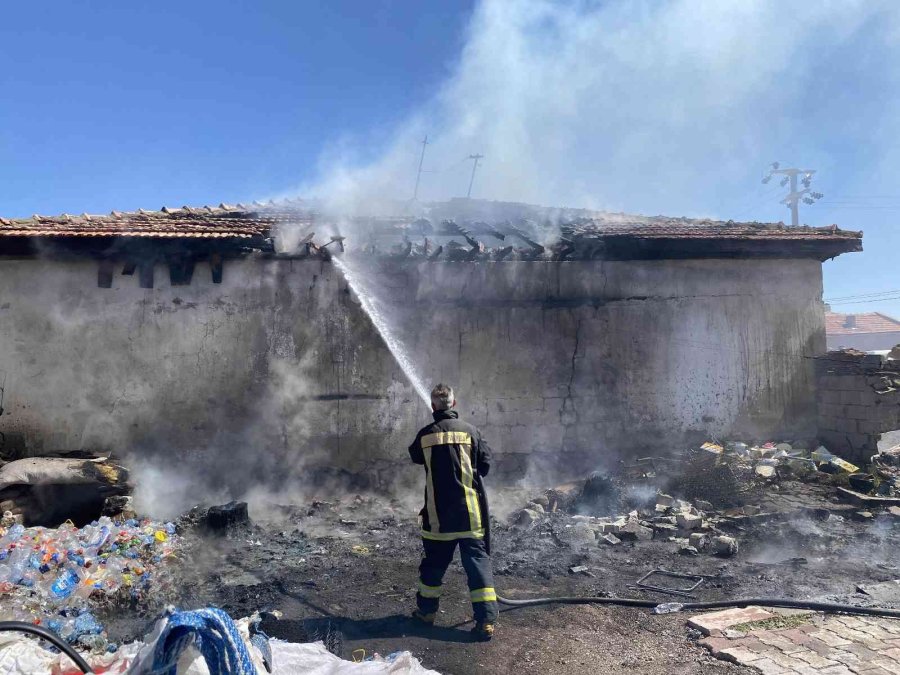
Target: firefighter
[{"x": 456, "y": 458}]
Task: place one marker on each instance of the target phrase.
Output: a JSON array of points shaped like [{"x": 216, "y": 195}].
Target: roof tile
[
  {"x": 854, "y": 324},
  {"x": 257, "y": 220}
]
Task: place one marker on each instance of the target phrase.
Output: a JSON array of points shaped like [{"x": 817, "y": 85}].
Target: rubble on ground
[{"x": 739, "y": 482}]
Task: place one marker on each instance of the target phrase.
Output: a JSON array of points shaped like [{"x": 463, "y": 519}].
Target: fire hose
[
  {"x": 49, "y": 636},
  {"x": 786, "y": 603}
]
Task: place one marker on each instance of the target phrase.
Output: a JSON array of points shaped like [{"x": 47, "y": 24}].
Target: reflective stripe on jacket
[{"x": 455, "y": 457}]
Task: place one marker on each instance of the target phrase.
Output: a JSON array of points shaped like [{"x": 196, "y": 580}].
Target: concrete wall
[
  {"x": 277, "y": 373},
  {"x": 866, "y": 342}
]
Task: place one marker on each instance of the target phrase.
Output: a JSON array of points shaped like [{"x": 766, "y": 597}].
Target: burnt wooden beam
[
  {"x": 181, "y": 271},
  {"x": 504, "y": 252}
]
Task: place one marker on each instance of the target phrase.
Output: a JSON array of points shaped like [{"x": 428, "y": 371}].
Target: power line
[
  {"x": 863, "y": 295},
  {"x": 453, "y": 166},
  {"x": 860, "y": 302}
]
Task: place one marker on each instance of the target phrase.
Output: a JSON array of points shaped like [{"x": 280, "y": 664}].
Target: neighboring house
[
  {"x": 200, "y": 337},
  {"x": 868, "y": 332}
]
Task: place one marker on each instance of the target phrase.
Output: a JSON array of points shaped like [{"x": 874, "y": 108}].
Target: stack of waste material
[
  {"x": 716, "y": 474},
  {"x": 204, "y": 642},
  {"x": 48, "y": 490},
  {"x": 885, "y": 473},
  {"x": 53, "y": 577}
]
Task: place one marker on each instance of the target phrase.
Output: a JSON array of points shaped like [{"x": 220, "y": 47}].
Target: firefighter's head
[{"x": 442, "y": 397}]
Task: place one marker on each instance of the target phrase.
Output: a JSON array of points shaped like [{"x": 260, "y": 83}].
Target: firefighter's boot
[
  {"x": 483, "y": 631},
  {"x": 422, "y": 617}
]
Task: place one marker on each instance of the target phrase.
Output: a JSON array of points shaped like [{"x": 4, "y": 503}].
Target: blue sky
[
  {"x": 648, "y": 106},
  {"x": 126, "y": 105}
]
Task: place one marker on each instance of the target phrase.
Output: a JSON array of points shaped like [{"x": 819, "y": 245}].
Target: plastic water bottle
[
  {"x": 668, "y": 608},
  {"x": 65, "y": 585},
  {"x": 87, "y": 624}
]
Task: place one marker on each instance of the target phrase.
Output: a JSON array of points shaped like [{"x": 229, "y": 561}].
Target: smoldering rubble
[{"x": 720, "y": 519}]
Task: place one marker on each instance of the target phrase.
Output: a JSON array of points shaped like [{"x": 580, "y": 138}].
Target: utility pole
[
  {"x": 419, "y": 172},
  {"x": 472, "y": 179},
  {"x": 794, "y": 197}
]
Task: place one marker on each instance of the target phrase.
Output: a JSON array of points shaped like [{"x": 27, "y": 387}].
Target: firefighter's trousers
[{"x": 477, "y": 564}]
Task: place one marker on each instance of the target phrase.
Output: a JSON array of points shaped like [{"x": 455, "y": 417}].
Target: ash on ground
[{"x": 350, "y": 564}]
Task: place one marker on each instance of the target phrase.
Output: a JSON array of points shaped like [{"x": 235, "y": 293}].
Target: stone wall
[
  {"x": 858, "y": 401},
  {"x": 277, "y": 377}
]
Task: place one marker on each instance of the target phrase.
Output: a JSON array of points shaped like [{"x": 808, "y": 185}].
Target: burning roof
[{"x": 560, "y": 233}]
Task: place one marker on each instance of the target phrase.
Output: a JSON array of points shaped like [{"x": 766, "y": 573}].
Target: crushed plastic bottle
[
  {"x": 668, "y": 608},
  {"x": 65, "y": 584}
]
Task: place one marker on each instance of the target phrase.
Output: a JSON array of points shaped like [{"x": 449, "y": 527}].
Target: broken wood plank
[{"x": 868, "y": 500}]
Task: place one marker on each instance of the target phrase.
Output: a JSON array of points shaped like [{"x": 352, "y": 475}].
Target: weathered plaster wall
[
  {"x": 600, "y": 358},
  {"x": 277, "y": 374}
]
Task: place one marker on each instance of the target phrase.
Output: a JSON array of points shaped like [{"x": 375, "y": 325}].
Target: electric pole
[
  {"x": 472, "y": 179},
  {"x": 794, "y": 197},
  {"x": 419, "y": 172}
]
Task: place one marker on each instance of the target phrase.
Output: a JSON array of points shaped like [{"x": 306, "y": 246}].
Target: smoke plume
[{"x": 653, "y": 107}]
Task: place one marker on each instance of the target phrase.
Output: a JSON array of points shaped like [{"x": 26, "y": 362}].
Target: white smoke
[{"x": 655, "y": 107}]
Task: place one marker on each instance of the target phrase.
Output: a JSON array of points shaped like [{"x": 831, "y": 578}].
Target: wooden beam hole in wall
[
  {"x": 216, "y": 265},
  {"x": 145, "y": 273},
  {"x": 105, "y": 274}
]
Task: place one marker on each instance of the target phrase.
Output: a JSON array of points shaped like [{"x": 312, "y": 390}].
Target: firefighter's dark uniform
[{"x": 455, "y": 459}]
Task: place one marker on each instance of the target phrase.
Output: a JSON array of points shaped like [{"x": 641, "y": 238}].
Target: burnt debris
[{"x": 456, "y": 231}]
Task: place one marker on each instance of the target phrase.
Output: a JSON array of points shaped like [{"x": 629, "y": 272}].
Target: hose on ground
[
  {"x": 49, "y": 636},
  {"x": 829, "y": 607}
]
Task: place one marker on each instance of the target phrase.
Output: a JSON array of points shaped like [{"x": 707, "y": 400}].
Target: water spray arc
[{"x": 375, "y": 311}]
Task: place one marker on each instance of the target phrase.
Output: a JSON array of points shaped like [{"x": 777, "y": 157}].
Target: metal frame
[{"x": 681, "y": 592}]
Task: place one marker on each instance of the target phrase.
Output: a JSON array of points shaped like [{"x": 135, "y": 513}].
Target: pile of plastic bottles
[{"x": 53, "y": 576}]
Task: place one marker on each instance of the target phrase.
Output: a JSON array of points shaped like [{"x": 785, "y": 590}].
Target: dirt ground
[{"x": 352, "y": 566}]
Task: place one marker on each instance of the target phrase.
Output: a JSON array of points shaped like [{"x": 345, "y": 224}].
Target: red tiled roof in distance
[{"x": 853, "y": 324}]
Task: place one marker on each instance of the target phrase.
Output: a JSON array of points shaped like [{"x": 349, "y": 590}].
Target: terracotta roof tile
[
  {"x": 184, "y": 222},
  {"x": 258, "y": 219},
  {"x": 854, "y": 324}
]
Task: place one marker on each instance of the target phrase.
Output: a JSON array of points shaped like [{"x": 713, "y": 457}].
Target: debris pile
[
  {"x": 56, "y": 577},
  {"x": 775, "y": 460},
  {"x": 885, "y": 477},
  {"x": 49, "y": 490},
  {"x": 669, "y": 519},
  {"x": 699, "y": 500}
]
